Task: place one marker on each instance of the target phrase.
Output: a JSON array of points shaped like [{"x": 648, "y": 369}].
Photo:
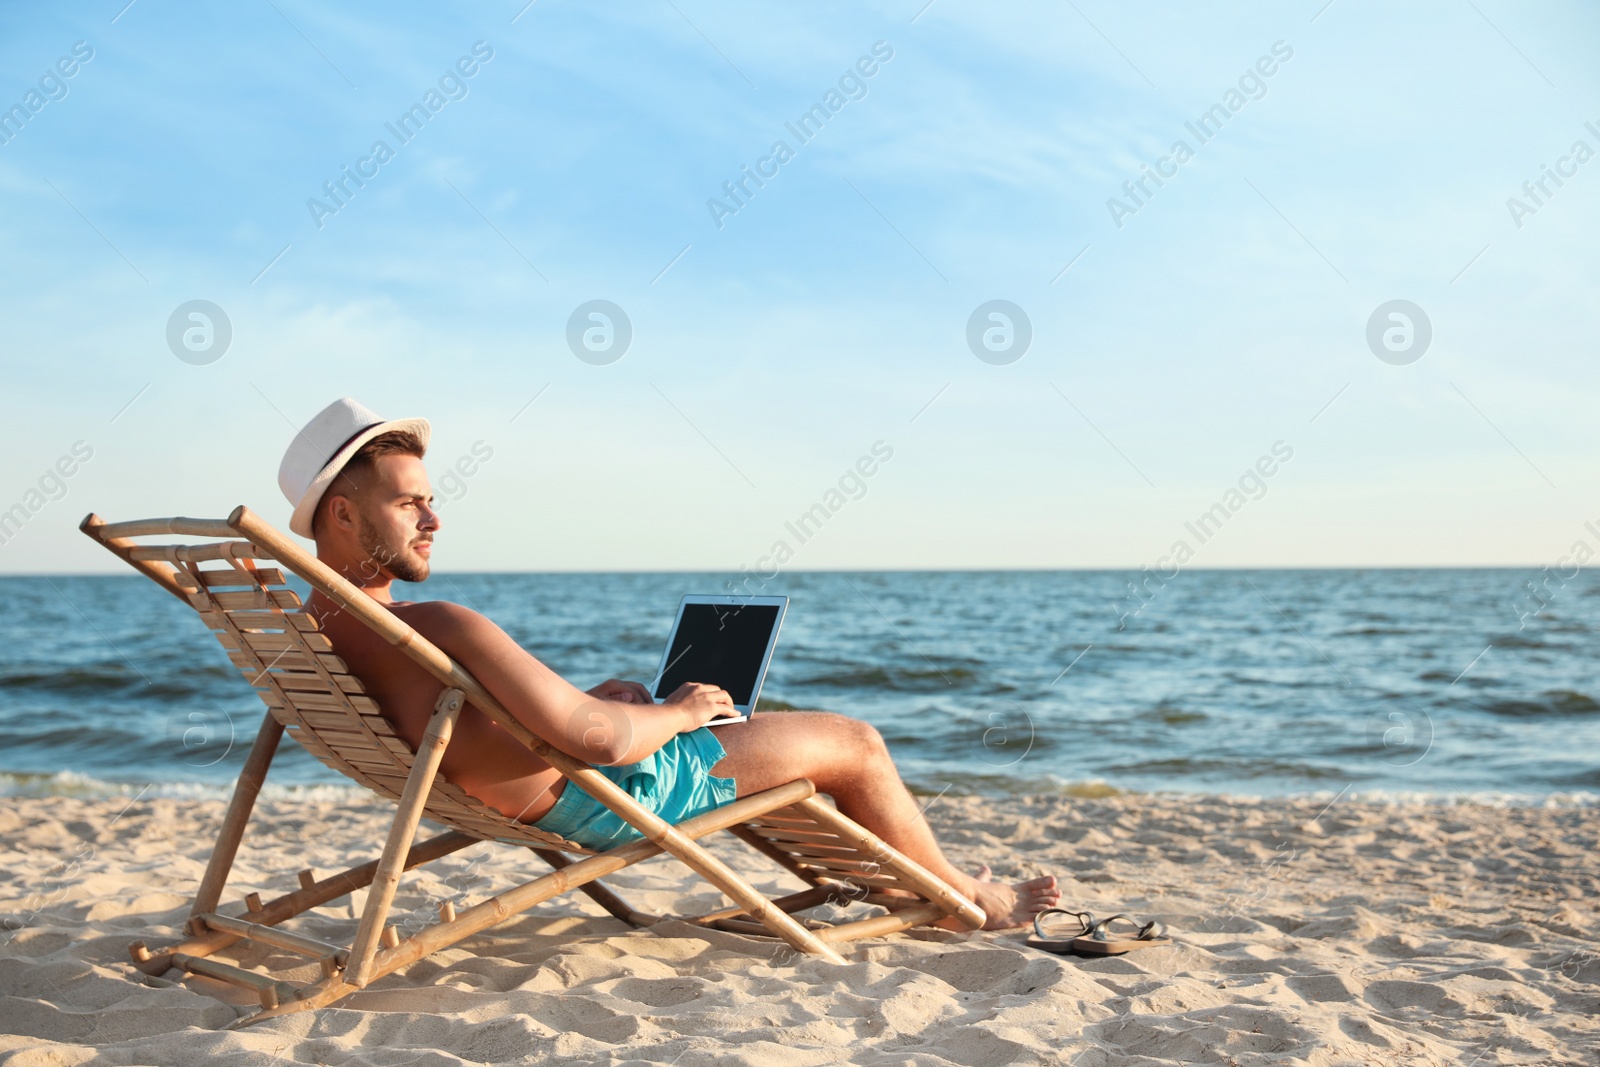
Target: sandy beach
[{"x": 1356, "y": 932}]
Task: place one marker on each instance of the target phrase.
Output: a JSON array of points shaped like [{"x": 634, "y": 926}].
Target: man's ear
[{"x": 341, "y": 512}]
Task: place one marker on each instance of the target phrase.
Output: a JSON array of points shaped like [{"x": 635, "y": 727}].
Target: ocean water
[{"x": 1439, "y": 683}]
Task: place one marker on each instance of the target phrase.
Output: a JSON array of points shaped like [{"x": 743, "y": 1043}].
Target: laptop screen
[{"x": 722, "y": 644}]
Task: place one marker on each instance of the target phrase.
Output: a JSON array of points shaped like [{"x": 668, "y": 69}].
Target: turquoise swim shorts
[{"x": 673, "y": 782}]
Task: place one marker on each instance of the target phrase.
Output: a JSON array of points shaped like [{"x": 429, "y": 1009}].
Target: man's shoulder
[
  {"x": 436, "y": 612},
  {"x": 443, "y": 620}
]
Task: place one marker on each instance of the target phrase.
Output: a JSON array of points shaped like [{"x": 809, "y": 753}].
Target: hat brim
[{"x": 300, "y": 521}]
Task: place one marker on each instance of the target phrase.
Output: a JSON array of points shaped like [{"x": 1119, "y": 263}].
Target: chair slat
[
  {"x": 224, "y": 576},
  {"x": 882, "y": 881},
  {"x": 798, "y": 849},
  {"x": 817, "y": 836},
  {"x": 338, "y": 728},
  {"x": 283, "y": 598},
  {"x": 348, "y": 683},
  {"x": 273, "y": 620},
  {"x": 787, "y": 824},
  {"x": 389, "y": 780},
  {"x": 296, "y": 709},
  {"x": 858, "y": 864},
  {"x": 342, "y": 732},
  {"x": 315, "y": 681},
  {"x": 371, "y": 762},
  {"x": 281, "y": 642},
  {"x": 196, "y": 553},
  {"x": 293, "y": 660},
  {"x": 303, "y": 700},
  {"x": 334, "y": 741}
]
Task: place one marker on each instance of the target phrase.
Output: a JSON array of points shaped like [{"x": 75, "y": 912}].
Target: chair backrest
[{"x": 283, "y": 655}]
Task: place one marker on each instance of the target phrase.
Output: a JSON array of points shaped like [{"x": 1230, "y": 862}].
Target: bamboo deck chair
[{"x": 311, "y": 695}]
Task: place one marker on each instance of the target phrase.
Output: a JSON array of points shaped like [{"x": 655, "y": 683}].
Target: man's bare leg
[{"x": 848, "y": 760}]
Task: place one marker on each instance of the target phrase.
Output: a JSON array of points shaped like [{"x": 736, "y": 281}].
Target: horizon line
[{"x": 112, "y": 572}]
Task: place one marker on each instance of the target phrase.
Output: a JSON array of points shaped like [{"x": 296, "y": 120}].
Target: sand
[{"x": 1367, "y": 933}]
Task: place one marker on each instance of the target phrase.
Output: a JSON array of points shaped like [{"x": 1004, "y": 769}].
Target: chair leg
[
  {"x": 880, "y": 925},
  {"x": 601, "y": 895},
  {"x": 783, "y": 925},
  {"x": 413, "y": 798},
  {"x": 309, "y": 895},
  {"x": 233, "y": 823},
  {"x": 833, "y": 893}
]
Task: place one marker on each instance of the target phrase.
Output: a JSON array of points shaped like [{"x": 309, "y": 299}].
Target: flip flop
[
  {"x": 1102, "y": 939},
  {"x": 1060, "y": 941},
  {"x": 1096, "y": 937}
]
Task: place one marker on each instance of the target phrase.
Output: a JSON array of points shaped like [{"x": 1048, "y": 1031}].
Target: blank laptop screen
[{"x": 722, "y": 644}]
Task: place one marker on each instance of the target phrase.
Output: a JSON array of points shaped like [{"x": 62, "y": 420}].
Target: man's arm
[
  {"x": 606, "y": 732},
  {"x": 616, "y": 689}
]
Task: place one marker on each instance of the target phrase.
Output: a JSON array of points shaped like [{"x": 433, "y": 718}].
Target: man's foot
[{"x": 1012, "y": 905}]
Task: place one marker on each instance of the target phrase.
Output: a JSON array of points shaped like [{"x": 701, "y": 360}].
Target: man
[{"x": 359, "y": 488}]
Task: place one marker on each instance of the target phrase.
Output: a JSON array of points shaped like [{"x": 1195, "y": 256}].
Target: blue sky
[{"x": 770, "y": 353}]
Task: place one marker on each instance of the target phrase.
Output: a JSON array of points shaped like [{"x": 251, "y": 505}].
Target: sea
[{"x": 1436, "y": 684}]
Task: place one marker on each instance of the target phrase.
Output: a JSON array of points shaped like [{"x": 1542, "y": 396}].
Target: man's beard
[{"x": 389, "y": 558}]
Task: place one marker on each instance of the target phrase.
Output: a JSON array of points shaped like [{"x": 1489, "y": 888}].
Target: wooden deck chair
[{"x": 311, "y": 695}]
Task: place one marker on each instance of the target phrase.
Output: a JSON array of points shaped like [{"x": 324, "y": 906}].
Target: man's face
[{"x": 396, "y": 520}]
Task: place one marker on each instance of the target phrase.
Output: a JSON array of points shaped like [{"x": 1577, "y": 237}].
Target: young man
[{"x": 359, "y": 488}]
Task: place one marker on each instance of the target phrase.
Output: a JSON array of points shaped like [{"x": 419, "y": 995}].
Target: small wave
[
  {"x": 82, "y": 786},
  {"x": 1518, "y": 641},
  {"x": 1590, "y": 778},
  {"x": 75, "y": 681},
  {"x": 1471, "y": 679},
  {"x": 1099, "y": 789},
  {"x": 73, "y": 784},
  {"x": 1282, "y": 681},
  {"x": 1095, "y": 789},
  {"x": 117, "y": 679},
  {"x": 1172, "y": 715},
  {"x": 1554, "y": 702},
  {"x": 1182, "y": 767},
  {"x": 1488, "y": 798},
  {"x": 896, "y": 679},
  {"x": 1011, "y": 786},
  {"x": 200, "y": 740}
]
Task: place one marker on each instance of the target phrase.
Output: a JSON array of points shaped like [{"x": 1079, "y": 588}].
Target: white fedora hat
[{"x": 319, "y": 452}]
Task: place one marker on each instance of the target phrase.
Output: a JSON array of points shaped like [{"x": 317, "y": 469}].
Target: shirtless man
[{"x": 370, "y": 511}]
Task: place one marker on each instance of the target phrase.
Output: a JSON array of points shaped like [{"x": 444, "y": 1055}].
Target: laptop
[{"x": 725, "y": 641}]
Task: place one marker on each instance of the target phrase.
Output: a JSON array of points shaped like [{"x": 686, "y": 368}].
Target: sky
[{"x": 1183, "y": 339}]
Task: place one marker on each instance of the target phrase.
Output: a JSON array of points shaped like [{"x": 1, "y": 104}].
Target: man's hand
[
  {"x": 622, "y": 692},
  {"x": 701, "y": 703}
]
